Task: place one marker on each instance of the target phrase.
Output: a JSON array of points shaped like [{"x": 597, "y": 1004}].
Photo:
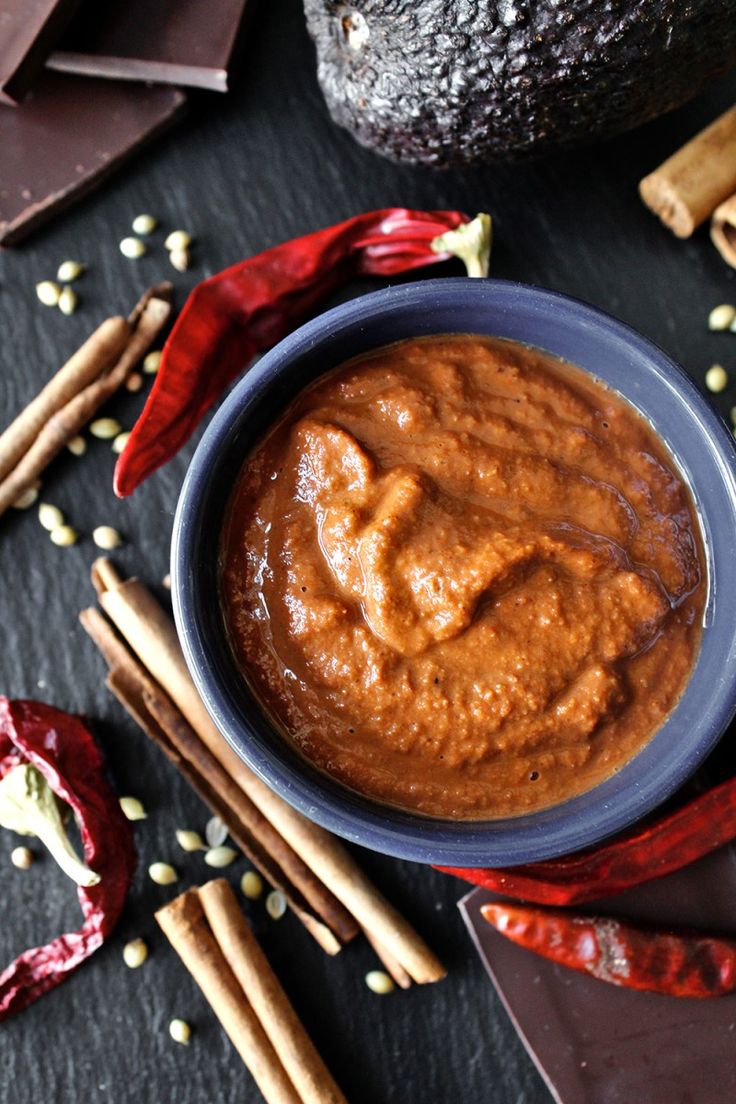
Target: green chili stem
[{"x": 471, "y": 243}]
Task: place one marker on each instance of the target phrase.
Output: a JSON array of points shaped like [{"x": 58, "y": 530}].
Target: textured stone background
[{"x": 243, "y": 172}]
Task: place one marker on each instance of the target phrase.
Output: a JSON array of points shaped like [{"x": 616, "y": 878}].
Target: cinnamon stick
[
  {"x": 67, "y": 420},
  {"x": 264, "y": 993},
  {"x": 320, "y": 912},
  {"x": 184, "y": 924},
  {"x": 685, "y": 190},
  {"x": 152, "y": 636},
  {"x": 392, "y": 965},
  {"x": 723, "y": 230}
]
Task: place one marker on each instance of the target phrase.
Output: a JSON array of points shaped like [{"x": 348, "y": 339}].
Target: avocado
[{"x": 452, "y": 82}]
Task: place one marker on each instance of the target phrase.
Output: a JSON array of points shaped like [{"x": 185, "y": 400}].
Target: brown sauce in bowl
[{"x": 463, "y": 577}]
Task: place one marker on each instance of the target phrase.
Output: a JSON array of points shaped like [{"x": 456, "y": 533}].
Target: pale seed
[
  {"x": 721, "y": 317},
  {"x": 50, "y": 516},
  {"x": 379, "y": 982},
  {"x": 178, "y": 239},
  {"x": 105, "y": 428},
  {"x": 69, "y": 271},
  {"x": 135, "y": 953},
  {"x": 215, "y": 832},
  {"x": 220, "y": 856},
  {"x": 275, "y": 904},
  {"x": 133, "y": 248},
  {"x": 68, "y": 301},
  {"x": 180, "y": 1031},
  {"x": 180, "y": 259},
  {"x": 716, "y": 378},
  {"x": 162, "y": 873},
  {"x": 134, "y": 382},
  {"x": 26, "y": 499},
  {"x": 120, "y": 442},
  {"x": 151, "y": 362},
  {"x": 251, "y": 885},
  {"x": 106, "y": 537},
  {"x": 48, "y": 292},
  {"x": 132, "y": 808},
  {"x": 144, "y": 224},
  {"x": 733, "y": 414},
  {"x": 166, "y": 584},
  {"x": 77, "y": 445},
  {"x": 22, "y": 857},
  {"x": 188, "y": 840},
  {"x": 64, "y": 535}
]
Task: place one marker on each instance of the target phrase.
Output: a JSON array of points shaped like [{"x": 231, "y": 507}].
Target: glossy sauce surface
[{"x": 463, "y": 577}]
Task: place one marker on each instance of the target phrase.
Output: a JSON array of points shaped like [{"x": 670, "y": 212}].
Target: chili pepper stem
[
  {"x": 29, "y": 806},
  {"x": 470, "y": 242}
]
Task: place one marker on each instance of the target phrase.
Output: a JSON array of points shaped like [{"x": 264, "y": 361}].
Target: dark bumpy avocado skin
[{"x": 448, "y": 82}]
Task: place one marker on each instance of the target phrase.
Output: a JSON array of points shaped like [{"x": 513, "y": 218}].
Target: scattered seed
[
  {"x": 69, "y": 271},
  {"x": 251, "y": 885},
  {"x": 220, "y": 856},
  {"x": 48, "y": 293},
  {"x": 68, "y": 301},
  {"x": 144, "y": 224},
  {"x": 120, "y": 442},
  {"x": 721, "y": 317},
  {"x": 189, "y": 841},
  {"x": 64, "y": 535},
  {"x": 166, "y": 583},
  {"x": 733, "y": 414},
  {"x": 162, "y": 873},
  {"x": 379, "y": 982},
  {"x": 132, "y": 808},
  {"x": 216, "y": 832},
  {"x": 106, "y": 537},
  {"x": 50, "y": 516},
  {"x": 105, "y": 428},
  {"x": 275, "y": 904},
  {"x": 180, "y": 1031},
  {"x": 26, "y": 499},
  {"x": 22, "y": 857},
  {"x": 77, "y": 445},
  {"x": 133, "y": 248},
  {"x": 180, "y": 259},
  {"x": 178, "y": 239},
  {"x": 716, "y": 378},
  {"x": 134, "y": 382},
  {"x": 151, "y": 362},
  {"x": 135, "y": 953}
]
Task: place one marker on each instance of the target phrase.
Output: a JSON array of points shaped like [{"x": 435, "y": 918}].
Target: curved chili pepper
[
  {"x": 64, "y": 752},
  {"x": 237, "y": 313},
  {"x": 679, "y": 964},
  {"x": 660, "y": 847}
]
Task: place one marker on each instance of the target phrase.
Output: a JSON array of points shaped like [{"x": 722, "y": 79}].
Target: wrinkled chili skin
[
  {"x": 677, "y": 964},
  {"x": 247, "y": 308},
  {"x": 660, "y": 847},
  {"x": 64, "y": 751}
]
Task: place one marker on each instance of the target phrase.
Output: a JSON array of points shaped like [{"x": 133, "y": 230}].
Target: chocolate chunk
[
  {"x": 69, "y": 135},
  {"x": 595, "y": 1043},
  {"x": 29, "y": 30},
  {"x": 188, "y": 42}
]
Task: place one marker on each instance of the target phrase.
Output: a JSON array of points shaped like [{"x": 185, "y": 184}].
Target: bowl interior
[{"x": 703, "y": 449}]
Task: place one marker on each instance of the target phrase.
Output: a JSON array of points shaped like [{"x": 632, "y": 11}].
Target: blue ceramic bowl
[{"x": 578, "y": 333}]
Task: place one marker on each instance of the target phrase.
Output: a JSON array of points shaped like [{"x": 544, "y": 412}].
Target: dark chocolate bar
[
  {"x": 29, "y": 30},
  {"x": 69, "y": 135},
  {"x": 189, "y": 42},
  {"x": 595, "y": 1043}
]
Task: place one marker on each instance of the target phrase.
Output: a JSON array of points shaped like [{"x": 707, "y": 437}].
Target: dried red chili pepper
[
  {"x": 63, "y": 752},
  {"x": 679, "y": 964},
  {"x": 658, "y": 848},
  {"x": 237, "y": 313}
]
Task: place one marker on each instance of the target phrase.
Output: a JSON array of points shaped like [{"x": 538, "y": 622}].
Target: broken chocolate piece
[
  {"x": 169, "y": 41},
  {"x": 69, "y": 135},
  {"x": 595, "y": 1043},
  {"x": 29, "y": 30}
]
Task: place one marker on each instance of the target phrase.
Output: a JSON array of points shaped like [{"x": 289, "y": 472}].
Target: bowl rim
[{"x": 509, "y": 841}]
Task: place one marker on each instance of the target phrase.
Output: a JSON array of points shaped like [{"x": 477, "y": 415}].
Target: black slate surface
[{"x": 241, "y": 173}]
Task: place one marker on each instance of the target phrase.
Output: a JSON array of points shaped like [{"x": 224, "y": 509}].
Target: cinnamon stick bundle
[
  {"x": 723, "y": 230},
  {"x": 686, "y": 189},
  {"x": 69, "y": 400},
  {"x": 152, "y": 637}
]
